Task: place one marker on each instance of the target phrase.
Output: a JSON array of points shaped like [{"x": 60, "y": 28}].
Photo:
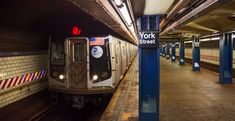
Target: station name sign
[{"x": 149, "y": 39}]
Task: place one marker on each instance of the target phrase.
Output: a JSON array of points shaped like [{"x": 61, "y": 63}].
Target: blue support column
[
  {"x": 149, "y": 75},
  {"x": 226, "y": 59},
  {"x": 196, "y": 54},
  {"x": 181, "y": 54},
  {"x": 173, "y": 52},
  {"x": 167, "y": 51},
  {"x": 160, "y": 49},
  {"x": 163, "y": 50}
]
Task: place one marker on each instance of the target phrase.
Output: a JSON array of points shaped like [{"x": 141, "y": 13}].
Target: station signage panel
[{"x": 149, "y": 39}]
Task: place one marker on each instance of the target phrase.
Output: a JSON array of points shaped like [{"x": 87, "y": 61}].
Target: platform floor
[
  {"x": 124, "y": 103},
  {"x": 194, "y": 96},
  {"x": 184, "y": 96}
]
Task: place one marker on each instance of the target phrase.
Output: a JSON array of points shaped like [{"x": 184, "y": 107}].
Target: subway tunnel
[{"x": 117, "y": 60}]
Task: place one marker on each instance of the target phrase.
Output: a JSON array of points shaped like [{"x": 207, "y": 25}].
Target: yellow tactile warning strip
[{"x": 124, "y": 103}]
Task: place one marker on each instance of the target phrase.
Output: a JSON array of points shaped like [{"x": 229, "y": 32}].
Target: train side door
[
  {"x": 77, "y": 62},
  {"x": 117, "y": 61},
  {"x": 121, "y": 59}
]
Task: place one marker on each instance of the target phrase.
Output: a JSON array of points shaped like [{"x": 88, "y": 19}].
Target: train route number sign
[{"x": 149, "y": 39}]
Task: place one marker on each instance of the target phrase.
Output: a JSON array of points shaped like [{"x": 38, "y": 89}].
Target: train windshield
[
  {"x": 79, "y": 52},
  {"x": 57, "y": 53}
]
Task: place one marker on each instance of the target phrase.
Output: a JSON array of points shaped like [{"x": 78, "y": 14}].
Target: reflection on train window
[
  {"x": 78, "y": 52},
  {"x": 57, "y": 54}
]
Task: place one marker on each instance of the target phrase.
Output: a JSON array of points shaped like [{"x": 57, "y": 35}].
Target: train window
[
  {"x": 78, "y": 51},
  {"x": 57, "y": 53}
]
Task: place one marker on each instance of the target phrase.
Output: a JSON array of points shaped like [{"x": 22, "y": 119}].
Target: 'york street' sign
[{"x": 149, "y": 39}]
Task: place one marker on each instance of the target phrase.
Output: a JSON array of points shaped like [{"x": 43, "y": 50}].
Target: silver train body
[{"x": 89, "y": 65}]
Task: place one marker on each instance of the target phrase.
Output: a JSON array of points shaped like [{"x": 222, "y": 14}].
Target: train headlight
[
  {"x": 95, "y": 77},
  {"x": 61, "y": 77}
]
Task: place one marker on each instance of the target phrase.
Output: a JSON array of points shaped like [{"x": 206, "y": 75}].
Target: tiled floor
[
  {"x": 194, "y": 96},
  {"x": 184, "y": 96}
]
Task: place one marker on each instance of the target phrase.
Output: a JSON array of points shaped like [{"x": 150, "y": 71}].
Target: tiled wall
[
  {"x": 210, "y": 55},
  {"x": 30, "y": 70},
  {"x": 188, "y": 53},
  {"x": 18, "y": 93},
  {"x": 18, "y": 65},
  {"x": 177, "y": 51}
]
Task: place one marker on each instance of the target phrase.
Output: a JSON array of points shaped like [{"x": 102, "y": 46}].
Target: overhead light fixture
[
  {"x": 125, "y": 13},
  {"x": 206, "y": 39},
  {"x": 182, "y": 10},
  {"x": 215, "y": 38},
  {"x": 118, "y": 2},
  {"x": 210, "y": 39},
  {"x": 124, "y": 10},
  {"x": 233, "y": 36},
  {"x": 188, "y": 42}
]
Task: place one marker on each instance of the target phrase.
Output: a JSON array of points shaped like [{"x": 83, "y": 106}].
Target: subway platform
[
  {"x": 124, "y": 103},
  {"x": 194, "y": 96},
  {"x": 185, "y": 95}
]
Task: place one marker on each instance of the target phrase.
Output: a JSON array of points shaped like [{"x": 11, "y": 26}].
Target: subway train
[
  {"x": 209, "y": 53},
  {"x": 83, "y": 66}
]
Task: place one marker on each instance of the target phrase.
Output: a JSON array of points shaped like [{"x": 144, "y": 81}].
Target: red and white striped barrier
[{"x": 18, "y": 80}]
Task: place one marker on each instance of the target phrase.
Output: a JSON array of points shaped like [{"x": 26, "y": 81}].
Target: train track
[
  {"x": 63, "y": 111},
  {"x": 39, "y": 108},
  {"x": 42, "y": 113}
]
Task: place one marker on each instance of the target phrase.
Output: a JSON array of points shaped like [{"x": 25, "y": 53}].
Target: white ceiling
[{"x": 157, "y": 6}]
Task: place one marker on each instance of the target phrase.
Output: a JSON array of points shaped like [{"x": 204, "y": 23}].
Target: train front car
[
  {"x": 81, "y": 69},
  {"x": 100, "y": 65},
  {"x": 86, "y": 68}
]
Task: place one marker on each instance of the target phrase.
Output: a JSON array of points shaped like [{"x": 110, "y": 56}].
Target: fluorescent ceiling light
[
  {"x": 118, "y": 2},
  {"x": 181, "y": 10},
  {"x": 132, "y": 28},
  {"x": 157, "y": 6},
  {"x": 215, "y": 38},
  {"x": 210, "y": 39},
  {"x": 125, "y": 13},
  {"x": 203, "y": 40},
  {"x": 188, "y": 42}
]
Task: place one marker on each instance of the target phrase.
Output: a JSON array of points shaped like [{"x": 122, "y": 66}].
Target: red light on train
[{"x": 76, "y": 30}]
